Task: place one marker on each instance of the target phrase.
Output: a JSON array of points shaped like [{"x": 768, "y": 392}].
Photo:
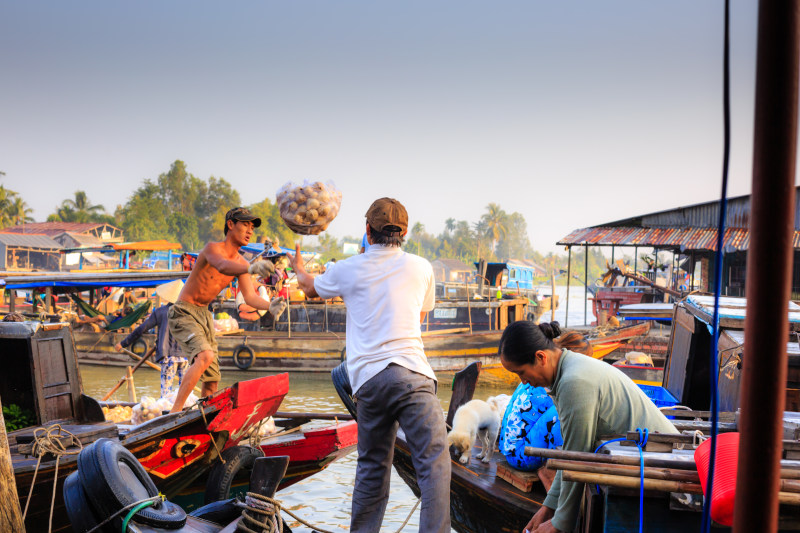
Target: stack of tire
[{"x": 110, "y": 478}]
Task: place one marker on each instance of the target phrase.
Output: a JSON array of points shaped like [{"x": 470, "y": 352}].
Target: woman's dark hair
[
  {"x": 389, "y": 238},
  {"x": 574, "y": 341},
  {"x": 522, "y": 339}
]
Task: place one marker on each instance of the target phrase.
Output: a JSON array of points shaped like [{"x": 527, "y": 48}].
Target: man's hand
[
  {"x": 118, "y": 347},
  {"x": 262, "y": 268},
  {"x": 540, "y": 520},
  {"x": 304, "y": 279}
]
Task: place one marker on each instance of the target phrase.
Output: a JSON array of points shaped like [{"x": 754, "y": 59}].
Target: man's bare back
[{"x": 205, "y": 282}]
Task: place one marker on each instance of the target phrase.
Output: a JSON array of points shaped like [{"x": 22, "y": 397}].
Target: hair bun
[{"x": 551, "y": 330}]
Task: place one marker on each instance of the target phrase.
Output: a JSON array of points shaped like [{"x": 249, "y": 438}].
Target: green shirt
[{"x": 593, "y": 399}]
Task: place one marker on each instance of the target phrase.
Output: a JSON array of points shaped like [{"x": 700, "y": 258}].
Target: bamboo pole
[
  {"x": 553, "y": 294},
  {"x": 137, "y": 358},
  {"x": 135, "y": 368},
  {"x": 131, "y": 389},
  {"x": 667, "y": 474},
  {"x": 787, "y": 498},
  {"x": 609, "y": 459},
  {"x": 10, "y": 513}
]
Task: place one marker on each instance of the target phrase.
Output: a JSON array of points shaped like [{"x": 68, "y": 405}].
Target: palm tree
[
  {"x": 6, "y": 200},
  {"x": 495, "y": 219},
  {"x": 78, "y": 209},
  {"x": 417, "y": 230},
  {"x": 450, "y": 225},
  {"x": 18, "y": 211}
]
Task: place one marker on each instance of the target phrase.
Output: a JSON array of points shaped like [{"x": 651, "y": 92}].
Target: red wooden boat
[
  {"x": 310, "y": 450},
  {"x": 41, "y": 376}
]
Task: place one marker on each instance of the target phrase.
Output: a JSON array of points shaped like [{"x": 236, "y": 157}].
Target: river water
[{"x": 323, "y": 499}]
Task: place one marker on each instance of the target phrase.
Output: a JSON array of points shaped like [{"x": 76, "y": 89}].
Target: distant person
[
  {"x": 168, "y": 353},
  {"x": 249, "y": 316},
  {"x": 329, "y": 264},
  {"x": 364, "y": 244},
  {"x": 387, "y": 292},
  {"x": 190, "y": 321},
  {"x": 96, "y": 323}
]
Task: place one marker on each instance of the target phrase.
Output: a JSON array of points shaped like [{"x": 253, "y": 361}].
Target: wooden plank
[
  {"x": 10, "y": 513},
  {"x": 524, "y": 481}
]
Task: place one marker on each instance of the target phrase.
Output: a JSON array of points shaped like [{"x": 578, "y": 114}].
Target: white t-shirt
[{"x": 384, "y": 290}]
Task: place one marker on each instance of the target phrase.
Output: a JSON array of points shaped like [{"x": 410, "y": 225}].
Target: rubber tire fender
[
  {"x": 245, "y": 363},
  {"x": 116, "y": 479},
  {"x": 76, "y": 502},
  {"x": 220, "y": 479},
  {"x": 341, "y": 382},
  {"x": 222, "y": 512},
  {"x": 140, "y": 342}
]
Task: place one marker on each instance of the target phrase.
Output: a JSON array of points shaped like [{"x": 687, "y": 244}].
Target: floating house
[
  {"x": 29, "y": 252},
  {"x": 452, "y": 271},
  {"x": 690, "y": 233},
  {"x": 106, "y": 233}
]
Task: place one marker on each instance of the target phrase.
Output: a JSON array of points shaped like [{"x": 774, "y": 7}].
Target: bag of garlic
[
  {"x": 145, "y": 410},
  {"x": 308, "y": 209}
]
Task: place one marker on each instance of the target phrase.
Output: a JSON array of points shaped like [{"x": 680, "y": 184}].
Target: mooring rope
[
  {"x": 46, "y": 440},
  {"x": 201, "y": 404},
  {"x": 256, "y": 505}
]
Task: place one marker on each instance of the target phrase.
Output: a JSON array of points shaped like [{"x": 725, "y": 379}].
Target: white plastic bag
[
  {"x": 145, "y": 410},
  {"x": 308, "y": 208}
]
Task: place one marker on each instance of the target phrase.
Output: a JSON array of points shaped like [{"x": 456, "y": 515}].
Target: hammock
[
  {"x": 87, "y": 309},
  {"x": 129, "y": 319},
  {"x": 120, "y": 322}
]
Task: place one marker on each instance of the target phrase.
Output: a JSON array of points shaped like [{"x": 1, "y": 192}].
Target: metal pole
[
  {"x": 636, "y": 259},
  {"x": 569, "y": 275},
  {"x": 612, "y": 256},
  {"x": 769, "y": 268},
  {"x": 691, "y": 288},
  {"x": 586, "y": 284}
]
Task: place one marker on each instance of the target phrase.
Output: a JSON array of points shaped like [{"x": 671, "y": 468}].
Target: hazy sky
[{"x": 571, "y": 113}]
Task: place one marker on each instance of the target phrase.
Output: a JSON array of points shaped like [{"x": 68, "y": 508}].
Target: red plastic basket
[{"x": 725, "y": 469}]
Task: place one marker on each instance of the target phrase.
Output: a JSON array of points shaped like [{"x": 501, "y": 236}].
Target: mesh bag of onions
[{"x": 308, "y": 208}]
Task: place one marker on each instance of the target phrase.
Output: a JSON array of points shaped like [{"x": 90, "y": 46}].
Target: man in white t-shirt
[{"x": 387, "y": 293}]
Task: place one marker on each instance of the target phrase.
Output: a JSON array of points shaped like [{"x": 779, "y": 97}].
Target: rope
[
  {"x": 641, "y": 442},
  {"x": 270, "y": 509},
  {"x": 46, "y": 440},
  {"x": 126, "y": 508},
  {"x": 200, "y": 404},
  {"x": 409, "y": 516}
]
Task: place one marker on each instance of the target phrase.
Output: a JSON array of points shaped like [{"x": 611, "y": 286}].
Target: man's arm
[
  {"x": 304, "y": 279},
  {"x": 249, "y": 293},
  {"x": 228, "y": 267},
  {"x": 149, "y": 323}
]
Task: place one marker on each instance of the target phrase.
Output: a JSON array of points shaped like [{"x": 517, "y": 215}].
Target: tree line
[{"x": 181, "y": 207}]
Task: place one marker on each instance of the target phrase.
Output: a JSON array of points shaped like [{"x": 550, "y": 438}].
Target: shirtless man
[{"x": 190, "y": 322}]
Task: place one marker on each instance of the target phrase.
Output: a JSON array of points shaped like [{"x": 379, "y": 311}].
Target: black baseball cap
[{"x": 242, "y": 214}]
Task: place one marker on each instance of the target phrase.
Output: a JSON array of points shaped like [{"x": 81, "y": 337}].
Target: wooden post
[
  {"x": 131, "y": 389},
  {"x": 12, "y": 302},
  {"x": 10, "y": 513},
  {"x": 553, "y": 294},
  {"x": 469, "y": 309},
  {"x": 289, "y": 316},
  {"x": 569, "y": 273},
  {"x": 586, "y": 285},
  {"x": 48, "y": 300}
]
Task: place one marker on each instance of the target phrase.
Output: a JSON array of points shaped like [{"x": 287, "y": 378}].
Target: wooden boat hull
[
  {"x": 309, "y": 453},
  {"x": 307, "y": 351},
  {"x": 479, "y": 502},
  {"x": 174, "y": 449}
]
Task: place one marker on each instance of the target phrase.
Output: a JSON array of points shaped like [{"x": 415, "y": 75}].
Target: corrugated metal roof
[
  {"x": 31, "y": 241},
  {"x": 54, "y": 228},
  {"x": 735, "y": 239},
  {"x": 705, "y": 215}
]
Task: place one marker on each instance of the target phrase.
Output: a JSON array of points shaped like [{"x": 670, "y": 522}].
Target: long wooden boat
[
  {"x": 310, "y": 450},
  {"x": 447, "y": 350},
  {"x": 41, "y": 375}
]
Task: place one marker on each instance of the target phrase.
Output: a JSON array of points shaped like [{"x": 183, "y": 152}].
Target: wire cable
[{"x": 723, "y": 207}]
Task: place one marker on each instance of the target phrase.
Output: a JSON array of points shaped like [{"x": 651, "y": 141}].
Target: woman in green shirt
[{"x": 592, "y": 398}]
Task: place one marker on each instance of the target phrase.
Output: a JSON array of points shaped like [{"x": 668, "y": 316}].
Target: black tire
[
  {"x": 114, "y": 479},
  {"x": 222, "y": 512},
  {"x": 237, "y": 458},
  {"x": 243, "y": 362},
  {"x": 341, "y": 382},
  {"x": 76, "y": 501},
  {"x": 143, "y": 347}
]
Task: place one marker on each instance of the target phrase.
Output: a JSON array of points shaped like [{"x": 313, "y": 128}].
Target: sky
[{"x": 570, "y": 113}]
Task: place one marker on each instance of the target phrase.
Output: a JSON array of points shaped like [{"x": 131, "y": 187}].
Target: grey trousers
[{"x": 398, "y": 396}]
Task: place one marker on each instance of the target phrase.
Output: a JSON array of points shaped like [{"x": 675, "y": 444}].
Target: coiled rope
[
  {"x": 263, "y": 514},
  {"x": 49, "y": 440}
]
